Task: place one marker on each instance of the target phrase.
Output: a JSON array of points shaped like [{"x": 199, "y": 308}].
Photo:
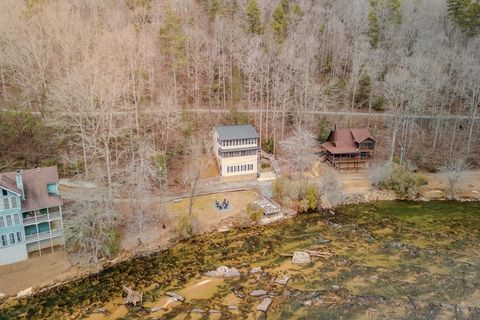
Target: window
[
  {"x": 19, "y": 237},
  {"x": 12, "y": 238},
  {"x": 2, "y": 223},
  {"x": 16, "y": 218},
  {"x": 4, "y": 192},
  {"x": 52, "y": 189},
  {"x": 4, "y": 240},
  {"x": 9, "y": 221},
  {"x": 6, "y": 203},
  {"x": 14, "y": 202}
]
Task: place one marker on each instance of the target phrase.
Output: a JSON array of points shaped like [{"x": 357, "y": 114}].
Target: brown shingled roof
[
  {"x": 9, "y": 184},
  {"x": 35, "y": 183},
  {"x": 360, "y": 134},
  {"x": 343, "y": 140}
]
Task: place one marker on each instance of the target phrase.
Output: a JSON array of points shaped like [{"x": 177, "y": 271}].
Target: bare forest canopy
[{"x": 92, "y": 71}]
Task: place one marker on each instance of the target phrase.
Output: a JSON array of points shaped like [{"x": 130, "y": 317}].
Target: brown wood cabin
[{"x": 349, "y": 149}]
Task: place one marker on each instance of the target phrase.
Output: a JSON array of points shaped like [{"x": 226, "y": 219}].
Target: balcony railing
[
  {"x": 57, "y": 233},
  {"x": 41, "y": 218},
  {"x": 44, "y": 235},
  {"x": 348, "y": 159}
]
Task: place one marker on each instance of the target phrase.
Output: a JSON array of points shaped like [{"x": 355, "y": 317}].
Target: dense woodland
[{"x": 109, "y": 89}]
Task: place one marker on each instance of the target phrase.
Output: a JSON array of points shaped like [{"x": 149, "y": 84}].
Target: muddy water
[{"x": 395, "y": 260}]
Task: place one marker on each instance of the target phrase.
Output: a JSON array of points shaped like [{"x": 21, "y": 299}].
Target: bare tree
[
  {"x": 331, "y": 190},
  {"x": 90, "y": 228},
  {"x": 299, "y": 149},
  {"x": 198, "y": 157},
  {"x": 455, "y": 171}
]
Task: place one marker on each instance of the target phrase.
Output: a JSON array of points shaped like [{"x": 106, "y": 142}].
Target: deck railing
[
  {"x": 347, "y": 159},
  {"x": 44, "y": 235},
  {"x": 41, "y": 218}
]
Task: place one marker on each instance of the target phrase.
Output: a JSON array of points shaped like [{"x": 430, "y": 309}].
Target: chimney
[{"x": 19, "y": 180}]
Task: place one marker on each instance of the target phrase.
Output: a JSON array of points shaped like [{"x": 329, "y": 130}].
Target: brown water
[{"x": 395, "y": 260}]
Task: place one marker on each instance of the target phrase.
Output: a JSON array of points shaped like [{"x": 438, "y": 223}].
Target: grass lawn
[{"x": 204, "y": 206}]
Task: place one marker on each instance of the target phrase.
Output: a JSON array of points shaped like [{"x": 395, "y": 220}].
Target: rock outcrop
[
  {"x": 223, "y": 272},
  {"x": 300, "y": 257}
]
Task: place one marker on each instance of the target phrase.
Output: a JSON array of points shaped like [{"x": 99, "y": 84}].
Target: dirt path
[{"x": 34, "y": 272}]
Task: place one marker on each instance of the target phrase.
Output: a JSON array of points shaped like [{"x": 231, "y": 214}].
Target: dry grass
[{"x": 204, "y": 207}]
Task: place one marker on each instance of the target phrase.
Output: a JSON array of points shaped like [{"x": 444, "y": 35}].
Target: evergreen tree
[
  {"x": 465, "y": 13},
  {"x": 172, "y": 37},
  {"x": 280, "y": 22},
  {"x": 254, "y": 22},
  {"x": 373, "y": 26},
  {"x": 214, "y": 9},
  {"x": 395, "y": 9}
]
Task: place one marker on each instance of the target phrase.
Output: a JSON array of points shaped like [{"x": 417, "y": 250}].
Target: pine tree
[
  {"x": 373, "y": 26},
  {"x": 465, "y": 13},
  {"x": 254, "y": 23},
  {"x": 395, "y": 8},
  {"x": 280, "y": 22}
]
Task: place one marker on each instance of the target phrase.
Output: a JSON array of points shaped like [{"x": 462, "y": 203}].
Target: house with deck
[
  {"x": 349, "y": 149},
  {"x": 236, "y": 149},
  {"x": 31, "y": 221}
]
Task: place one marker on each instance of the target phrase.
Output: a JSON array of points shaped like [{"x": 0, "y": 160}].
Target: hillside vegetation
[{"x": 113, "y": 84}]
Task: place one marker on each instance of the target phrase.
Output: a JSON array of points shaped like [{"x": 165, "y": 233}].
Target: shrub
[
  {"x": 187, "y": 226},
  {"x": 331, "y": 191},
  {"x": 398, "y": 178},
  {"x": 254, "y": 212},
  {"x": 269, "y": 145}
]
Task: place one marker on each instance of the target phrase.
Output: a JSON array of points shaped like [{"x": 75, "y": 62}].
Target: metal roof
[{"x": 236, "y": 132}]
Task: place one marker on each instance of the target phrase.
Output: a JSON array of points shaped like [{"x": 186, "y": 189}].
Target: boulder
[
  {"x": 155, "y": 309},
  {"x": 175, "y": 296},
  {"x": 25, "y": 293},
  {"x": 307, "y": 303},
  {"x": 256, "y": 270},
  {"x": 258, "y": 293},
  {"x": 223, "y": 229},
  {"x": 232, "y": 307},
  {"x": 223, "y": 272},
  {"x": 100, "y": 310},
  {"x": 300, "y": 257},
  {"x": 2, "y": 295},
  {"x": 197, "y": 310},
  {"x": 322, "y": 240},
  {"x": 335, "y": 287},
  {"x": 214, "y": 311},
  {"x": 264, "y": 305},
  {"x": 282, "y": 280}
]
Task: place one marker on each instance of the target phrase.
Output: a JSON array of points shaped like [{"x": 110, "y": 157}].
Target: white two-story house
[{"x": 236, "y": 149}]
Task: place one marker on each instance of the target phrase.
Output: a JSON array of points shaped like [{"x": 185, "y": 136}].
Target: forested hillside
[{"x": 109, "y": 89}]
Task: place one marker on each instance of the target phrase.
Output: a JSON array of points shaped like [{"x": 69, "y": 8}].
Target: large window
[
  {"x": 19, "y": 237},
  {"x": 13, "y": 200},
  {"x": 4, "y": 240},
  {"x": 2, "y": 222},
  {"x": 12, "y": 238},
  {"x": 16, "y": 218},
  {"x": 6, "y": 203},
  {"x": 9, "y": 221}
]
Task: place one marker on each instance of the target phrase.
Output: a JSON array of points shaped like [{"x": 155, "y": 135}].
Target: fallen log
[{"x": 133, "y": 297}]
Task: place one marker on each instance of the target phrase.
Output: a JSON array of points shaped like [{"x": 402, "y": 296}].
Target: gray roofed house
[
  {"x": 236, "y": 149},
  {"x": 245, "y": 131}
]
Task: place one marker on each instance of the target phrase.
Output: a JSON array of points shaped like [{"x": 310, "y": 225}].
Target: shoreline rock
[
  {"x": 300, "y": 257},
  {"x": 223, "y": 272}
]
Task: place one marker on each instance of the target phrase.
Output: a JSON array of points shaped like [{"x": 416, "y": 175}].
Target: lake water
[{"x": 395, "y": 260}]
